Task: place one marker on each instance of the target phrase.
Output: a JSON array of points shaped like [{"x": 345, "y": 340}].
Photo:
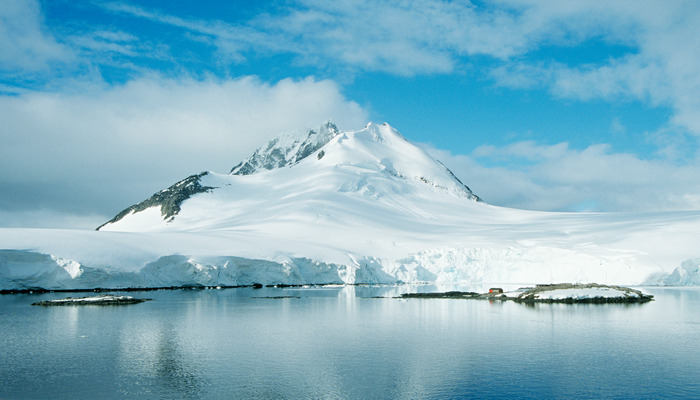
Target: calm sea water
[{"x": 339, "y": 343}]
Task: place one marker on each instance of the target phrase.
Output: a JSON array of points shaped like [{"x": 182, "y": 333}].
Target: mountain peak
[
  {"x": 286, "y": 150},
  {"x": 383, "y": 132},
  {"x": 379, "y": 148}
]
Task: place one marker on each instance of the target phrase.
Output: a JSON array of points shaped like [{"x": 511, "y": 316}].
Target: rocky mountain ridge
[{"x": 286, "y": 150}]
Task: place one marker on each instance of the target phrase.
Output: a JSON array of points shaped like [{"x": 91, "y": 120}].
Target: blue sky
[{"x": 545, "y": 105}]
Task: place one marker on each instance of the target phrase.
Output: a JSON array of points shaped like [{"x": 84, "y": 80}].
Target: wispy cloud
[
  {"x": 233, "y": 41},
  {"x": 392, "y": 36},
  {"x": 432, "y": 36},
  {"x": 26, "y": 45},
  {"x": 107, "y": 42}
]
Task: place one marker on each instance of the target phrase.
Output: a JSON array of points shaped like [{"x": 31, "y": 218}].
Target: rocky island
[{"x": 550, "y": 293}]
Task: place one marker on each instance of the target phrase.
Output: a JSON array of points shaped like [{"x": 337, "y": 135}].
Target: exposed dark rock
[
  {"x": 169, "y": 199},
  {"x": 440, "y": 295}
]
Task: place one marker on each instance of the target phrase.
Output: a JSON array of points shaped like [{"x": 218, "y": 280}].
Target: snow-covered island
[
  {"x": 551, "y": 293},
  {"x": 105, "y": 300},
  {"x": 346, "y": 207}
]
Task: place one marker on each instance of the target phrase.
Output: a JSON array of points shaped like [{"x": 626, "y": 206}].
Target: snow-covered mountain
[
  {"x": 363, "y": 206},
  {"x": 368, "y": 174}
]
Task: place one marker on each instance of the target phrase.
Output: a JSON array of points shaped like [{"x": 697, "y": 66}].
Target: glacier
[{"x": 350, "y": 207}]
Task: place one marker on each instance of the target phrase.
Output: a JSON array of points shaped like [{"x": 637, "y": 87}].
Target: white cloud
[
  {"x": 661, "y": 72},
  {"x": 432, "y": 36},
  {"x": 111, "y": 146},
  {"x": 425, "y": 36},
  {"x": 24, "y": 42},
  {"x": 563, "y": 179},
  {"x": 45, "y": 218}
]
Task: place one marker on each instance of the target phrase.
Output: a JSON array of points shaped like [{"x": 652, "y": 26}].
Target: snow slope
[{"x": 348, "y": 207}]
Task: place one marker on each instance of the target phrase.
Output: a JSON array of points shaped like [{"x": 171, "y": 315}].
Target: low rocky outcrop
[
  {"x": 106, "y": 300},
  {"x": 591, "y": 293}
]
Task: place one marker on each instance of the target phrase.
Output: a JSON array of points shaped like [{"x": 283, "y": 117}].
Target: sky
[{"x": 534, "y": 104}]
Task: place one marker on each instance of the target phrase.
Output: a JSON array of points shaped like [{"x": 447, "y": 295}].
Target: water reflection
[
  {"x": 344, "y": 342},
  {"x": 173, "y": 372},
  {"x": 154, "y": 358}
]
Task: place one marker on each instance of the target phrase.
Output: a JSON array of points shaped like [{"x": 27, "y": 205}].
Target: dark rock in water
[
  {"x": 257, "y": 286},
  {"x": 440, "y": 295},
  {"x": 107, "y": 300}
]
